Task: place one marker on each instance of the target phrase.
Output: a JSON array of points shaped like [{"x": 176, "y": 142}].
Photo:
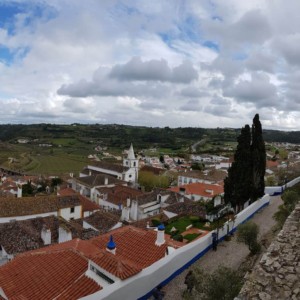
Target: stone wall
[{"x": 277, "y": 275}]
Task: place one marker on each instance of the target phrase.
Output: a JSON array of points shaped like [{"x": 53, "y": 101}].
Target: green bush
[
  {"x": 194, "y": 219},
  {"x": 155, "y": 222},
  {"x": 178, "y": 237},
  {"x": 173, "y": 233},
  {"x": 191, "y": 236}
]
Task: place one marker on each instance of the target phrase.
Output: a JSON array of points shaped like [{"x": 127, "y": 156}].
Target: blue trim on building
[
  {"x": 199, "y": 255},
  {"x": 276, "y": 194}
]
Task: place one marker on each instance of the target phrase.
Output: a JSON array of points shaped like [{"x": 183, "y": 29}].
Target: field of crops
[{"x": 31, "y": 159}]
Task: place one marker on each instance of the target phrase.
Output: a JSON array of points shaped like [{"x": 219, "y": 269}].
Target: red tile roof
[
  {"x": 121, "y": 268},
  {"x": 272, "y": 164},
  {"x": 87, "y": 205},
  {"x": 35, "y": 205},
  {"x": 58, "y": 271},
  {"x": 200, "y": 189},
  {"x": 47, "y": 275},
  {"x": 119, "y": 194},
  {"x": 133, "y": 244},
  {"x": 66, "y": 192}
]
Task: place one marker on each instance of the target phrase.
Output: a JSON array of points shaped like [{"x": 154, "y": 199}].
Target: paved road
[
  {"x": 230, "y": 254},
  {"x": 194, "y": 146}
]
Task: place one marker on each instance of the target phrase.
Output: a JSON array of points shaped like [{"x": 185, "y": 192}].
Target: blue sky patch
[
  {"x": 9, "y": 12},
  {"x": 9, "y": 56},
  {"x": 6, "y": 56},
  {"x": 212, "y": 45},
  {"x": 240, "y": 56}
]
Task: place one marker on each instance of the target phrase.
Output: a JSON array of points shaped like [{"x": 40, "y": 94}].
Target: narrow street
[{"x": 230, "y": 254}]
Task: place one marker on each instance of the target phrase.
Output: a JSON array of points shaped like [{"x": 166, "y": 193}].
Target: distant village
[{"x": 105, "y": 230}]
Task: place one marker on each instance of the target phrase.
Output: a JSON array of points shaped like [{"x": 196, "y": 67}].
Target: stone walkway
[{"x": 230, "y": 254}]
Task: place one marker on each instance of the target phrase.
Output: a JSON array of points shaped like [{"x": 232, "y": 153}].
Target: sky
[{"x": 176, "y": 63}]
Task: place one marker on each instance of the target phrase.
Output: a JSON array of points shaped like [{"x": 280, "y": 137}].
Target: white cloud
[{"x": 166, "y": 63}]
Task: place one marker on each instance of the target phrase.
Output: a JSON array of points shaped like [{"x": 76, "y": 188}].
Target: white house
[
  {"x": 149, "y": 204},
  {"x": 31, "y": 207}
]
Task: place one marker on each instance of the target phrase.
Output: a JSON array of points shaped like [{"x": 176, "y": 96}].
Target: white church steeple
[
  {"x": 131, "y": 153},
  {"x": 133, "y": 164}
]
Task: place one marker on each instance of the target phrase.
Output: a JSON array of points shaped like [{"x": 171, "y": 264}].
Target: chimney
[
  {"x": 46, "y": 235},
  {"x": 181, "y": 190},
  {"x": 64, "y": 234},
  {"x": 19, "y": 194},
  {"x": 90, "y": 173},
  {"x": 209, "y": 191},
  {"x": 105, "y": 181},
  {"x": 111, "y": 246},
  {"x": 160, "y": 239}
]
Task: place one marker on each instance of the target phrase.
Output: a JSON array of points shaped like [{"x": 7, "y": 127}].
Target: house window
[
  {"x": 100, "y": 274},
  {"x": 130, "y": 176},
  {"x": 72, "y": 210},
  {"x": 134, "y": 164}
]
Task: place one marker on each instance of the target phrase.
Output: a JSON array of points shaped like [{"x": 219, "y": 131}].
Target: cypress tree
[
  {"x": 238, "y": 184},
  {"x": 258, "y": 160}
]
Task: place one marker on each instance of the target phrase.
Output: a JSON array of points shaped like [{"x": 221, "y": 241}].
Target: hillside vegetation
[{"x": 55, "y": 149}]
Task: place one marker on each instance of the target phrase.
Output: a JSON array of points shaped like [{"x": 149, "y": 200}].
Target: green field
[{"x": 32, "y": 159}]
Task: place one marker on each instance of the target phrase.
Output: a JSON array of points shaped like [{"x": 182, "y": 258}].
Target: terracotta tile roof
[
  {"x": 85, "y": 285},
  {"x": 272, "y": 164},
  {"x": 66, "y": 192},
  {"x": 121, "y": 268},
  {"x": 201, "y": 189},
  {"x": 35, "y": 205},
  {"x": 143, "y": 222},
  {"x": 99, "y": 180},
  {"x": 119, "y": 194},
  {"x": 109, "y": 166},
  {"x": 102, "y": 221},
  {"x": 58, "y": 271},
  {"x": 117, "y": 265},
  {"x": 156, "y": 171},
  {"x": 47, "y": 275},
  {"x": 87, "y": 205},
  {"x": 20, "y": 236},
  {"x": 173, "y": 196},
  {"x": 212, "y": 175},
  {"x": 133, "y": 244},
  {"x": 184, "y": 208}
]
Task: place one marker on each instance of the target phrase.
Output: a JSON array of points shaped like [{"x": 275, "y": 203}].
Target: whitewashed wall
[
  {"x": 67, "y": 215},
  {"x": 271, "y": 190},
  {"x": 105, "y": 171},
  {"x": 139, "y": 285},
  {"x": 21, "y": 218}
]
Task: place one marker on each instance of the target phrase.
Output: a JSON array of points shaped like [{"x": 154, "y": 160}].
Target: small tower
[
  {"x": 160, "y": 239},
  {"x": 132, "y": 163},
  {"x": 111, "y": 246}
]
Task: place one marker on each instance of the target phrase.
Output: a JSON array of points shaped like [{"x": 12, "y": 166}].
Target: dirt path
[{"x": 230, "y": 254}]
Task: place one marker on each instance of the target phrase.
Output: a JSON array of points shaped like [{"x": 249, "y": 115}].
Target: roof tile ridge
[{"x": 74, "y": 282}]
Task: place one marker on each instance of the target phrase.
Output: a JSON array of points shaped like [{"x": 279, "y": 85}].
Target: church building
[{"x": 127, "y": 172}]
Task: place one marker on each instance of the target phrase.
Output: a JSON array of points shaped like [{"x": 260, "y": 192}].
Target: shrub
[
  {"x": 155, "y": 222},
  {"x": 178, "y": 237},
  {"x": 191, "y": 236},
  {"x": 194, "y": 219},
  {"x": 247, "y": 233}
]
